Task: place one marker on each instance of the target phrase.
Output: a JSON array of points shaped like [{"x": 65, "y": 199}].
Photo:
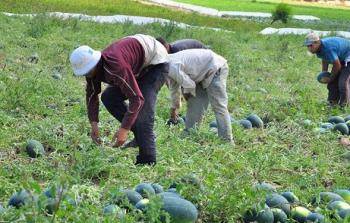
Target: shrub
[{"x": 281, "y": 12}]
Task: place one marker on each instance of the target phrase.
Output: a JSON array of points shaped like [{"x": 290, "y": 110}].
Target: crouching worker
[
  {"x": 202, "y": 74},
  {"x": 335, "y": 51},
  {"x": 135, "y": 69}
]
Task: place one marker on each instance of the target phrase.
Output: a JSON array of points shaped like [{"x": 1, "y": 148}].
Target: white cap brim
[{"x": 96, "y": 56}]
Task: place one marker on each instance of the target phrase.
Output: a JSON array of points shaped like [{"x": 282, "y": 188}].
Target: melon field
[{"x": 271, "y": 76}]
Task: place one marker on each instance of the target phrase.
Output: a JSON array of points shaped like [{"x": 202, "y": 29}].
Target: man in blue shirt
[{"x": 335, "y": 51}]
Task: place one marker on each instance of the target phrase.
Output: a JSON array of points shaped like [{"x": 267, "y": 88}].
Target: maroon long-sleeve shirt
[{"x": 120, "y": 66}]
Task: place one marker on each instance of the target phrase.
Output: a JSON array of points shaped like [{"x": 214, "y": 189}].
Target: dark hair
[{"x": 162, "y": 41}]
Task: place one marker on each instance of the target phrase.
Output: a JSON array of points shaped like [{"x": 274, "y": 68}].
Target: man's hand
[
  {"x": 120, "y": 137},
  {"x": 187, "y": 96},
  {"x": 95, "y": 134}
]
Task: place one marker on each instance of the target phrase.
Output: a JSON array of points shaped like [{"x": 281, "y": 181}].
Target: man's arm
[
  {"x": 324, "y": 65},
  {"x": 175, "y": 94},
  {"x": 335, "y": 70},
  {"x": 93, "y": 89}
]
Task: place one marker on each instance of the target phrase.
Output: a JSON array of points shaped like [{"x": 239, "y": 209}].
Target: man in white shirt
[{"x": 202, "y": 75}]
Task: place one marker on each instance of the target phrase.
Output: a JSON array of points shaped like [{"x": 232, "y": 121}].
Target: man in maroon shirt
[{"x": 135, "y": 69}]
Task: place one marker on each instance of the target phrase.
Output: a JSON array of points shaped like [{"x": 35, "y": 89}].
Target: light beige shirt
[
  {"x": 190, "y": 67},
  {"x": 155, "y": 52}
]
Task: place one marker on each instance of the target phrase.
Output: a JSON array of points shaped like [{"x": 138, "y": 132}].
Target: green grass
[
  {"x": 127, "y": 7},
  {"x": 265, "y": 6},
  {"x": 34, "y": 105}
]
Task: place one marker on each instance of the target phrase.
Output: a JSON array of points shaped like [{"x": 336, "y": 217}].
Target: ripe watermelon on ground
[
  {"x": 145, "y": 189},
  {"x": 113, "y": 210},
  {"x": 338, "y": 205},
  {"x": 300, "y": 214},
  {"x": 342, "y": 128},
  {"x": 245, "y": 123},
  {"x": 290, "y": 196},
  {"x": 265, "y": 216},
  {"x": 279, "y": 215},
  {"x": 255, "y": 120},
  {"x": 180, "y": 210},
  {"x": 278, "y": 201},
  {"x": 157, "y": 188},
  {"x": 34, "y": 148},
  {"x": 327, "y": 125},
  {"x": 130, "y": 195},
  {"x": 264, "y": 187},
  {"x": 336, "y": 120},
  {"x": 326, "y": 197},
  {"x": 343, "y": 213},
  {"x": 315, "y": 217},
  {"x": 141, "y": 205},
  {"x": 345, "y": 194}
]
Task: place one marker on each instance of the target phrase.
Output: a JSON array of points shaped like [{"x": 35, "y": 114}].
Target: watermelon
[
  {"x": 171, "y": 190},
  {"x": 345, "y": 194},
  {"x": 245, "y": 123},
  {"x": 34, "y": 148},
  {"x": 169, "y": 194},
  {"x": 279, "y": 215},
  {"x": 342, "y": 128},
  {"x": 141, "y": 205},
  {"x": 19, "y": 199},
  {"x": 264, "y": 187},
  {"x": 343, "y": 213},
  {"x": 315, "y": 217},
  {"x": 157, "y": 188},
  {"x": 255, "y": 120},
  {"x": 327, "y": 125},
  {"x": 326, "y": 197},
  {"x": 132, "y": 196},
  {"x": 278, "y": 201},
  {"x": 114, "y": 210},
  {"x": 347, "y": 118},
  {"x": 213, "y": 124},
  {"x": 322, "y": 75},
  {"x": 265, "y": 216},
  {"x": 300, "y": 214},
  {"x": 180, "y": 210},
  {"x": 338, "y": 205},
  {"x": 145, "y": 189},
  {"x": 336, "y": 120},
  {"x": 290, "y": 196}
]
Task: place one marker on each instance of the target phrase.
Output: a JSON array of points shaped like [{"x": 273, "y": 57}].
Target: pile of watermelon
[{"x": 286, "y": 207}]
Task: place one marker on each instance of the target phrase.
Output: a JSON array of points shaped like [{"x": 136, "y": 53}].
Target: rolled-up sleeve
[{"x": 93, "y": 89}]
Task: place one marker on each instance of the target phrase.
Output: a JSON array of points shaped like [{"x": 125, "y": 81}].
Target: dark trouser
[
  {"x": 114, "y": 100},
  {"x": 338, "y": 90}
]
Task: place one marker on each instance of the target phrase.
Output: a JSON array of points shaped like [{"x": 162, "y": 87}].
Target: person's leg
[
  {"x": 333, "y": 92},
  {"x": 114, "y": 101},
  {"x": 149, "y": 84},
  {"x": 218, "y": 100},
  {"x": 196, "y": 106},
  {"x": 343, "y": 85}
]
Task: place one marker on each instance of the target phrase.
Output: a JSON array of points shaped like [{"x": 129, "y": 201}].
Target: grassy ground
[
  {"x": 34, "y": 105},
  {"x": 339, "y": 13},
  {"x": 127, "y": 7}
]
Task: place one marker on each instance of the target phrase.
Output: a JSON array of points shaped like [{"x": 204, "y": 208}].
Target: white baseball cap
[
  {"x": 83, "y": 59},
  {"x": 311, "y": 38}
]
